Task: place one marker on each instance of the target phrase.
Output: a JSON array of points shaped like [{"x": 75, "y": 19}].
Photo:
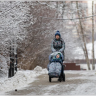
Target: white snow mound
[{"x": 21, "y": 79}]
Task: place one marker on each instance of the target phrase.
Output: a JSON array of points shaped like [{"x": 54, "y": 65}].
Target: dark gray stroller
[{"x": 56, "y": 67}]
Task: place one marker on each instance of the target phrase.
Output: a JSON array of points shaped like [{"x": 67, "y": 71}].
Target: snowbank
[
  {"x": 21, "y": 79},
  {"x": 89, "y": 48},
  {"x": 84, "y": 66}
]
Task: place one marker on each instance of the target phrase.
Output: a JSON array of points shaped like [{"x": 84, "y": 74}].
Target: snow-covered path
[{"x": 77, "y": 83}]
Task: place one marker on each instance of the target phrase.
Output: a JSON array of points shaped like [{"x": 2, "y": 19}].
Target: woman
[{"x": 58, "y": 43}]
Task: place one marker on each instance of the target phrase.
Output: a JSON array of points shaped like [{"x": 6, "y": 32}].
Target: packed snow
[
  {"x": 23, "y": 77},
  {"x": 87, "y": 88}
]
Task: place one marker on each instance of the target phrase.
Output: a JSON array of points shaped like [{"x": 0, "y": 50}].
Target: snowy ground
[
  {"x": 20, "y": 80},
  {"x": 84, "y": 66},
  {"x": 89, "y": 48},
  {"x": 36, "y": 82}
]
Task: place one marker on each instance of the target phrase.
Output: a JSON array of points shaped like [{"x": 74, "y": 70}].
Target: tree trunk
[
  {"x": 93, "y": 65},
  {"x": 57, "y": 14}
]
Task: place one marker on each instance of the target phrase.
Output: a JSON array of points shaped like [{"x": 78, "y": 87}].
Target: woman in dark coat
[{"x": 58, "y": 43}]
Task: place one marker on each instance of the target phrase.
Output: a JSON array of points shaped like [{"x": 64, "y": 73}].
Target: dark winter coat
[{"x": 58, "y": 45}]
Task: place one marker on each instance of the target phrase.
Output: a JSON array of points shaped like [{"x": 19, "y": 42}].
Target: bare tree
[
  {"x": 93, "y": 63},
  {"x": 37, "y": 41},
  {"x": 83, "y": 38}
]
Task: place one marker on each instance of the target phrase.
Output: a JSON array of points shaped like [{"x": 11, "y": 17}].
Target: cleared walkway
[{"x": 42, "y": 86}]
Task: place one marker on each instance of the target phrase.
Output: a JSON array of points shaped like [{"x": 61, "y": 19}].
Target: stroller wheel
[
  {"x": 49, "y": 79},
  {"x": 60, "y": 79},
  {"x": 63, "y": 77}
]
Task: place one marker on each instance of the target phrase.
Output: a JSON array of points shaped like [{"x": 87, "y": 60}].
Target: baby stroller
[{"x": 56, "y": 67}]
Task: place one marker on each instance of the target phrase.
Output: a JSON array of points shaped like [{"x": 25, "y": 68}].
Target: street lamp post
[
  {"x": 11, "y": 69},
  {"x": 13, "y": 59}
]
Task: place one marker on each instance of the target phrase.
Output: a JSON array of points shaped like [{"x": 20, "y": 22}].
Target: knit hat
[{"x": 57, "y": 33}]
